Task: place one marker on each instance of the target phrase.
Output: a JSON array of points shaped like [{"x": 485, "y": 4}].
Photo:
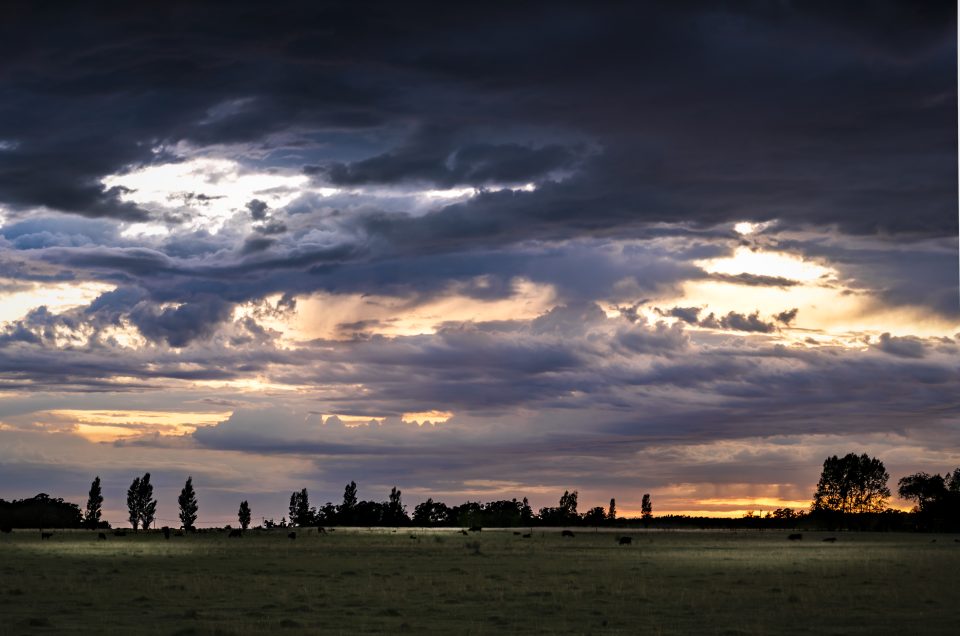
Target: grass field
[{"x": 493, "y": 582}]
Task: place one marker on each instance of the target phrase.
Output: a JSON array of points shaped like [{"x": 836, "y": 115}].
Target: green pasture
[{"x": 429, "y": 582}]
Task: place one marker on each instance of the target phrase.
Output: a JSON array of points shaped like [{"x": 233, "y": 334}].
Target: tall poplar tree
[
  {"x": 188, "y": 505},
  {"x": 91, "y": 517}
]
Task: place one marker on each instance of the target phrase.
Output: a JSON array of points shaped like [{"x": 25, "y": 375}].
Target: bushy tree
[
  {"x": 595, "y": 516},
  {"x": 91, "y": 516},
  {"x": 922, "y": 488},
  {"x": 852, "y": 484},
  {"x": 953, "y": 481},
  {"x": 431, "y": 513},
  {"x": 243, "y": 515},
  {"x": 188, "y": 505},
  {"x": 568, "y": 503}
]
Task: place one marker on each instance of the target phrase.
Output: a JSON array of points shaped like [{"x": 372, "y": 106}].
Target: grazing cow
[
  {"x": 119, "y": 533},
  {"x": 236, "y": 533},
  {"x": 476, "y": 529},
  {"x": 567, "y": 533},
  {"x": 46, "y": 535},
  {"x": 527, "y": 536},
  {"x": 292, "y": 536},
  {"x": 6, "y": 529},
  {"x": 795, "y": 537},
  {"x": 516, "y": 534},
  {"x": 831, "y": 539},
  {"x": 625, "y": 540},
  {"x": 166, "y": 532},
  {"x": 321, "y": 531},
  {"x": 102, "y": 537},
  {"x": 463, "y": 532}
]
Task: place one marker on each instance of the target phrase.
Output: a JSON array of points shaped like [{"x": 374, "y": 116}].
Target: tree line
[{"x": 852, "y": 492}]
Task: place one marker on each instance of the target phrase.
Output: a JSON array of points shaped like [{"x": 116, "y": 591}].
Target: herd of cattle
[{"x": 237, "y": 533}]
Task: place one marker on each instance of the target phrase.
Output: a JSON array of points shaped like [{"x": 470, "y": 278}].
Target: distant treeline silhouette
[
  {"x": 852, "y": 493},
  {"x": 41, "y": 511}
]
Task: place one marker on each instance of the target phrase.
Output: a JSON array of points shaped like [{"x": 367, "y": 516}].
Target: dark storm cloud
[
  {"x": 180, "y": 325},
  {"x": 436, "y": 158},
  {"x": 700, "y": 113}
]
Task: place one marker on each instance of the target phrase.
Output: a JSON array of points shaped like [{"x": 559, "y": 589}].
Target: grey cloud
[
  {"x": 181, "y": 325},
  {"x": 739, "y": 322},
  {"x": 689, "y": 315},
  {"x": 787, "y": 316},
  {"x": 258, "y": 209},
  {"x": 903, "y": 347}
]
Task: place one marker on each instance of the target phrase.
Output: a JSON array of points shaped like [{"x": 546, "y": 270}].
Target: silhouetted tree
[
  {"x": 467, "y": 514},
  {"x": 595, "y": 516},
  {"x": 783, "y": 513},
  {"x": 852, "y": 483},
  {"x": 300, "y": 509},
  {"x": 526, "y": 513},
  {"x": 141, "y": 505},
  {"x": 40, "y": 511},
  {"x": 395, "y": 513},
  {"x": 188, "y": 505},
  {"x": 148, "y": 505},
  {"x": 612, "y": 510},
  {"x": 91, "y": 516},
  {"x": 431, "y": 513},
  {"x": 568, "y": 503},
  {"x": 646, "y": 509},
  {"x": 347, "y": 509},
  {"x": 243, "y": 515},
  {"x": 953, "y": 481},
  {"x": 922, "y": 488},
  {"x": 133, "y": 503}
]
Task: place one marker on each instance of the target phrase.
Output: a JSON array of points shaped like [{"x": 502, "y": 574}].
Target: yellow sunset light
[{"x": 111, "y": 425}]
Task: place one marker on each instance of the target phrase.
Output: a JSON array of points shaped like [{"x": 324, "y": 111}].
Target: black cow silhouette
[
  {"x": 236, "y": 533},
  {"x": 166, "y": 532},
  {"x": 101, "y": 537},
  {"x": 831, "y": 539},
  {"x": 567, "y": 533},
  {"x": 321, "y": 531},
  {"x": 795, "y": 537},
  {"x": 527, "y": 536},
  {"x": 463, "y": 532},
  {"x": 46, "y": 535},
  {"x": 625, "y": 540},
  {"x": 292, "y": 536},
  {"x": 476, "y": 529}
]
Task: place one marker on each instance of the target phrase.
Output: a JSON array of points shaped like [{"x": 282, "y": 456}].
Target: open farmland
[{"x": 359, "y": 581}]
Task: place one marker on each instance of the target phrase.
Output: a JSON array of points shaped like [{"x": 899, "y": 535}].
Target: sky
[{"x": 476, "y": 251}]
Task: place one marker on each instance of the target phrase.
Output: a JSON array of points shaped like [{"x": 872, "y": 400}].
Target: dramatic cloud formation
[{"x": 680, "y": 248}]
